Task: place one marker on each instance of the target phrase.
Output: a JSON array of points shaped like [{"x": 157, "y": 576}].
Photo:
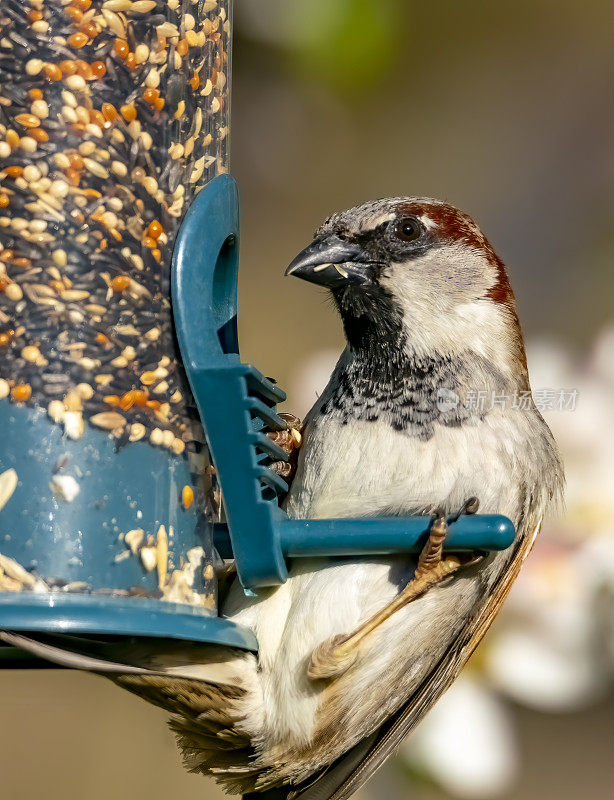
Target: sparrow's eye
[{"x": 408, "y": 229}]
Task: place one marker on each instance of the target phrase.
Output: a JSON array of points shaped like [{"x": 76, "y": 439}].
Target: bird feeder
[
  {"x": 121, "y": 383},
  {"x": 114, "y": 115}
]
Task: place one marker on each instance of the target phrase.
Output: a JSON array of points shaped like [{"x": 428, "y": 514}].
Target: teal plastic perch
[
  {"x": 377, "y": 536},
  {"x": 236, "y": 402}
]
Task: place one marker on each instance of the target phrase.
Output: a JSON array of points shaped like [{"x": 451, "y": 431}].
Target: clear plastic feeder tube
[{"x": 113, "y": 115}]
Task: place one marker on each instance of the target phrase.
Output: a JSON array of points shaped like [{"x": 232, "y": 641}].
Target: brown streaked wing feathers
[{"x": 394, "y": 731}]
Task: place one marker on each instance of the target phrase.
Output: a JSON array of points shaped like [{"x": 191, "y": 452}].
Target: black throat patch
[
  {"x": 384, "y": 381},
  {"x": 373, "y": 323}
]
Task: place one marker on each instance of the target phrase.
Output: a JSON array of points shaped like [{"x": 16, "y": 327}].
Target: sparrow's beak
[{"x": 332, "y": 262}]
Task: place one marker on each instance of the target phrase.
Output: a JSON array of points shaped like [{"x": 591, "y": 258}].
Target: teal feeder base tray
[{"x": 97, "y": 616}]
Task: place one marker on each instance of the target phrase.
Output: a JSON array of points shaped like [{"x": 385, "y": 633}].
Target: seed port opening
[{"x": 224, "y": 287}]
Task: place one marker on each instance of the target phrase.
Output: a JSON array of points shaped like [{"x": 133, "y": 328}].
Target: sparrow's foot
[
  {"x": 432, "y": 552},
  {"x": 335, "y": 655},
  {"x": 290, "y": 441}
]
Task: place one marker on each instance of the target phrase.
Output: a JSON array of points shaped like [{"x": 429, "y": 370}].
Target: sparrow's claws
[
  {"x": 290, "y": 441},
  {"x": 337, "y": 654},
  {"x": 432, "y": 551},
  {"x": 470, "y": 506}
]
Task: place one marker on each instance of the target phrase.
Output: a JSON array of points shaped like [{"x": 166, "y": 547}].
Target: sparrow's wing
[
  {"x": 347, "y": 776},
  {"x": 329, "y": 780},
  {"x": 325, "y": 782}
]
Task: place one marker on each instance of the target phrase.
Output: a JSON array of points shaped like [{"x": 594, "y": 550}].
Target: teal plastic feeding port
[
  {"x": 237, "y": 405},
  {"x": 236, "y": 402}
]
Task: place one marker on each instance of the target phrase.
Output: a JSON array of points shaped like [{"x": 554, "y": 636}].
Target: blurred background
[{"x": 503, "y": 109}]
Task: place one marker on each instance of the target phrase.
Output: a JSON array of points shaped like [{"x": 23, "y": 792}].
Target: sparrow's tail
[
  {"x": 202, "y": 686},
  {"x": 135, "y": 657}
]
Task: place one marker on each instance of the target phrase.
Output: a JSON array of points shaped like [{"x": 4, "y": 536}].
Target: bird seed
[{"x": 113, "y": 115}]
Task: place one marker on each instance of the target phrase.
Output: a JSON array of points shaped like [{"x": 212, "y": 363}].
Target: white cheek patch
[{"x": 441, "y": 295}]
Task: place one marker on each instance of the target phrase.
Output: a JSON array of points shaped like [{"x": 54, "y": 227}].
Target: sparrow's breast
[{"x": 369, "y": 468}]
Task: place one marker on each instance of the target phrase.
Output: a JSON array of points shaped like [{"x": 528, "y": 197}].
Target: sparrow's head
[{"x": 414, "y": 272}]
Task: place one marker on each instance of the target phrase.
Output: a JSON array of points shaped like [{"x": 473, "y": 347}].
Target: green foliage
[{"x": 349, "y": 45}]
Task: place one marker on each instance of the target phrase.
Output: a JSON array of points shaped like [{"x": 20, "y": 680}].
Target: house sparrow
[{"x": 427, "y": 410}]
